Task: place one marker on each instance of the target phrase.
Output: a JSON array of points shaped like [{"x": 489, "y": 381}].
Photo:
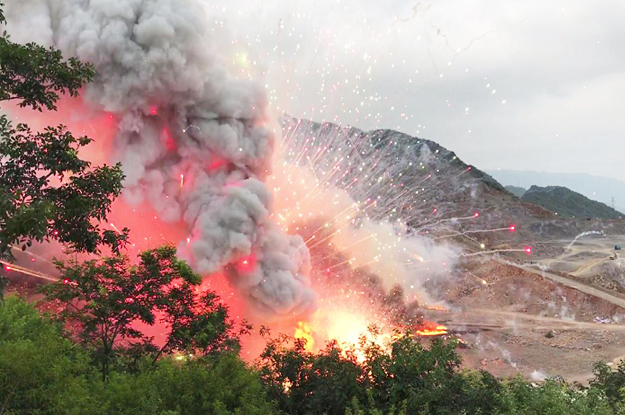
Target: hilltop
[
  {"x": 517, "y": 191},
  {"x": 567, "y": 203}
]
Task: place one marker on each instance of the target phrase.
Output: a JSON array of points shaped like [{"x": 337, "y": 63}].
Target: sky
[{"x": 517, "y": 85}]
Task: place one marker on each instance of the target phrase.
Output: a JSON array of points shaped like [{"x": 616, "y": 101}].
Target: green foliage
[
  {"x": 219, "y": 385},
  {"x": 409, "y": 378},
  {"x": 43, "y": 373},
  {"x": 553, "y": 397},
  {"x": 40, "y": 371},
  {"x": 306, "y": 383},
  {"x": 611, "y": 382},
  {"x": 49, "y": 192},
  {"x": 357, "y": 409},
  {"x": 36, "y": 76},
  {"x": 568, "y": 203},
  {"x": 46, "y": 190},
  {"x": 105, "y": 298},
  {"x": 413, "y": 373}
]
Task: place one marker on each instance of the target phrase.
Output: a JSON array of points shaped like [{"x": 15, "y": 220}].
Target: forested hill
[{"x": 567, "y": 203}]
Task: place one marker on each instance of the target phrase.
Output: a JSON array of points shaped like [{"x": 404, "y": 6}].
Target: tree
[
  {"x": 105, "y": 298},
  {"x": 40, "y": 371},
  {"x": 198, "y": 323},
  {"x": 46, "y": 190},
  {"x": 409, "y": 371},
  {"x": 33, "y": 208},
  {"x": 218, "y": 385},
  {"x": 312, "y": 383},
  {"x": 36, "y": 76},
  {"x": 612, "y": 382}
]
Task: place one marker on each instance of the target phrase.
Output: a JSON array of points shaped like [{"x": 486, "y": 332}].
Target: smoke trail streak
[
  {"x": 583, "y": 234},
  {"x": 17, "y": 268},
  {"x": 494, "y": 251},
  {"x": 507, "y": 228}
]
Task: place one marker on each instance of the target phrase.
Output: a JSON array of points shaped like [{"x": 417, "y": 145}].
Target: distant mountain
[
  {"x": 568, "y": 203},
  {"x": 601, "y": 189},
  {"x": 517, "y": 191}
]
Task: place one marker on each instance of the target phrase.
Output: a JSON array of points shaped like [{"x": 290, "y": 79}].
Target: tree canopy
[
  {"x": 35, "y": 76},
  {"x": 47, "y": 192},
  {"x": 104, "y": 299}
]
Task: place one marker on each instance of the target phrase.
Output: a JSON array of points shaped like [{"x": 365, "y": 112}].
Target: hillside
[
  {"x": 517, "y": 191},
  {"x": 417, "y": 181},
  {"x": 603, "y": 189},
  {"x": 568, "y": 203}
]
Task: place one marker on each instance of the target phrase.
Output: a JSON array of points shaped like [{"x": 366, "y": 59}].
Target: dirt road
[{"x": 579, "y": 286}]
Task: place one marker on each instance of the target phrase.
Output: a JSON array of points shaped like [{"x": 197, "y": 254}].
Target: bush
[
  {"x": 218, "y": 385},
  {"x": 41, "y": 372}
]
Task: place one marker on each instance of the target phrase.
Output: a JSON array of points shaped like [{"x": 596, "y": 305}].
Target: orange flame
[
  {"x": 304, "y": 332},
  {"x": 436, "y": 307},
  {"x": 431, "y": 329}
]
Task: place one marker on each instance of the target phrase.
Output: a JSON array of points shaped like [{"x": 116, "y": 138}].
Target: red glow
[
  {"x": 476, "y": 214},
  {"x": 434, "y": 211},
  {"x": 7, "y": 268},
  {"x": 217, "y": 163},
  {"x": 55, "y": 233},
  {"x": 154, "y": 110},
  {"x": 66, "y": 281},
  {"x": 170, "y": 144},
  {"x": 528, "y": 250},
  {"x": 512, "y": 228},
  {"x": 246, "y": 264}
]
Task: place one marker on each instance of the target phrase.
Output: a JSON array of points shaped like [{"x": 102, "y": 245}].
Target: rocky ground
[{"x": 516, "y": 322}]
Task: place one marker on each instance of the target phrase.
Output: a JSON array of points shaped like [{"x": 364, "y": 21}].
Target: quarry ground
[{"x": 518, "y": 317}]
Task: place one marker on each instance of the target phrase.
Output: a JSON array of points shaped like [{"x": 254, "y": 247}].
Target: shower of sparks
[{"x": 368, "y": 204}]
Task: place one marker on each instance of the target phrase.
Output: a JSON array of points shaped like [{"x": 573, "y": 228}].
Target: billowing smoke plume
[{"x": 192, "y": 140}]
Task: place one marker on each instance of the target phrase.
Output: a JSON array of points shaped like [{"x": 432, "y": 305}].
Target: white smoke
[
  {"x": 387, "y": 249},
  {"x": 192, "y": 140}
]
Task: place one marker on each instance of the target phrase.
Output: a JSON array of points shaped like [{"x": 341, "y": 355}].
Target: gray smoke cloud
[{"x": 192, "y": 140}]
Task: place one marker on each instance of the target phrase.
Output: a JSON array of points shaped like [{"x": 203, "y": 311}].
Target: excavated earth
[{"x": 518, "y": 322}]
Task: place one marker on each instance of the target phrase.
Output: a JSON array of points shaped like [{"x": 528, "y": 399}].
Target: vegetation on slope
[
  {"x": 517, "y": 191},
  {"x": 568, "y": 203}
]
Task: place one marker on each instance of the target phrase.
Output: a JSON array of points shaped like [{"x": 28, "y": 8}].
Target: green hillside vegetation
[
  {"x": 517, "y": 191},
  {"x": 568, "y": 203}
]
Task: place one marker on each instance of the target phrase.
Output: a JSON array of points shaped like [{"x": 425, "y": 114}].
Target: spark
[{"x": 13, "y": 267}]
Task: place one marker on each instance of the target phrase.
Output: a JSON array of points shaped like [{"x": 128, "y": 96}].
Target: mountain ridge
[{"x": 567, "y": 203}]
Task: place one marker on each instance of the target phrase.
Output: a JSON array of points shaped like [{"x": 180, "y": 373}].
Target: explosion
[
  {"x": 327, "y": 227},
  {"x": 304, "y": 332}
]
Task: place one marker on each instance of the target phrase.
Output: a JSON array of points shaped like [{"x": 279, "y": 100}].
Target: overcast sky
[{"x": 525, "y": 85}]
